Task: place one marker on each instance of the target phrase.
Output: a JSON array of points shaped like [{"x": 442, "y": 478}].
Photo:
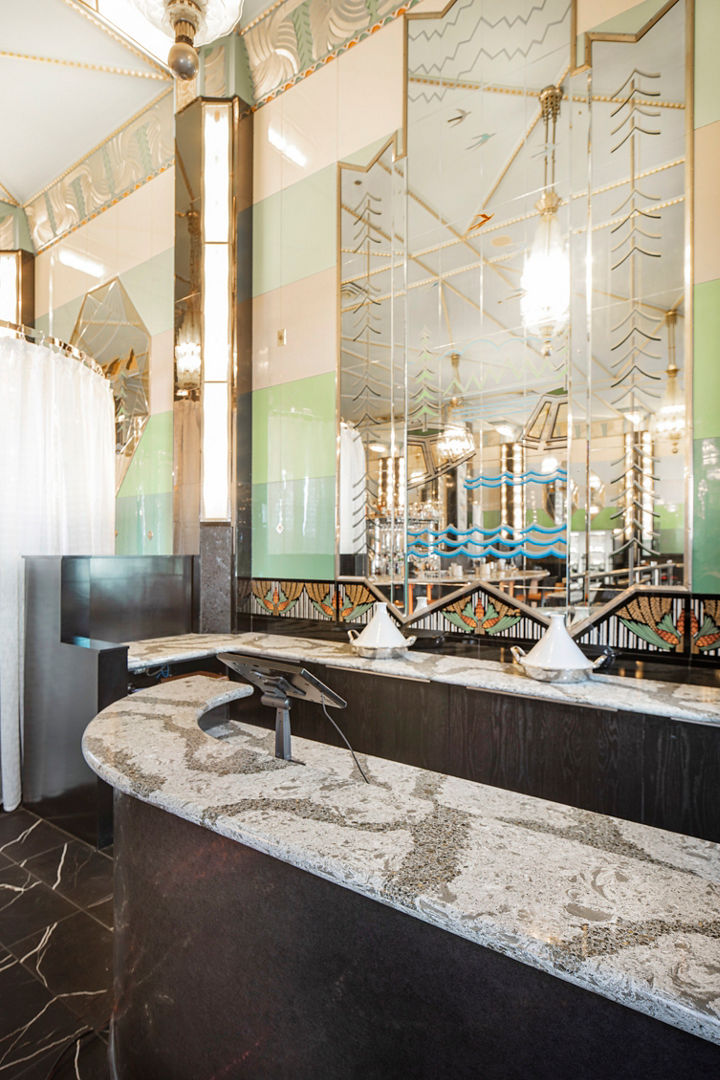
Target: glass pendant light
[
  {"x": 193, "y": 22},
  {"x": 545, "y": 279}
]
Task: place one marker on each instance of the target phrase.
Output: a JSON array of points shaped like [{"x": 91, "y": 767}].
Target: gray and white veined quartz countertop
[
  {"x": 696, "y": 704},
  {"x": 620, "y": 909}
]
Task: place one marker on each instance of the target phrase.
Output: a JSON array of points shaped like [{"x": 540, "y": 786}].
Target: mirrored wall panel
[{"x": 513, "y": 314}]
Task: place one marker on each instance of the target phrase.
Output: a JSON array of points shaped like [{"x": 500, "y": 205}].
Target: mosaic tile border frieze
[
  {"x": 141, "y": 150},
  {"x": 293, "y": 40},
  {"x": 644, "y": 621}
]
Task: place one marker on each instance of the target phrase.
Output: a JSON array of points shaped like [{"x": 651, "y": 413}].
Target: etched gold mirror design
[
  {"x": 110, "y": 330},
  {"x": 513, "y": 310}
]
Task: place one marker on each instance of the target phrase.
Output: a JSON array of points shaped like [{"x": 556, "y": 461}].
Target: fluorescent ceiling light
[
  {"x": 287, "y": 149},
  {"x": 77, "y": 261}
]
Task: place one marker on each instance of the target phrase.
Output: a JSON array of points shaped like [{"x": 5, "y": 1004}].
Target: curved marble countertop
[
  {"x": 696, "y": 704},
  {"x": 623, "y": 910}
]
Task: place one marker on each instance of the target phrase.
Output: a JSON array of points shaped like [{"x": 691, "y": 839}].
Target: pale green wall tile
[
  {"x": 144, "y": 524},
  {"x": 295, "y": 232},
  {"x": 632, "y": 20},
  {"x": 706, "y": 359},
  {"x": 64, "y": 319},
  {"x": 294, "y": 430},
  {"x": 706, "y": 515},
  {"x": 294, "y": 529},
  {"x": 151, "y": 287},
  {"x": 151, "y": 469},
  {"x": 707, "y": 69}
]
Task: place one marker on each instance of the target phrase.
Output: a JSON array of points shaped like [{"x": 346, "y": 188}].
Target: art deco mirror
[{"x": 513, "y": 300}]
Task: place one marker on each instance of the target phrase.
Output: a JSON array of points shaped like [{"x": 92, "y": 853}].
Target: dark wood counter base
[{"x": 231, "y": 964}]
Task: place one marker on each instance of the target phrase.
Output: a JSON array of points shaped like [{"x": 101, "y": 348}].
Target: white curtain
[
  {"x": 353, "y": 492},
  {"x": 57, "y": 497}
]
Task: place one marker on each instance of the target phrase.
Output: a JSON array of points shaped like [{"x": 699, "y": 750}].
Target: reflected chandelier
[
  {"x": 192, "y": 22},
  {"x": 545, "y": 279}
]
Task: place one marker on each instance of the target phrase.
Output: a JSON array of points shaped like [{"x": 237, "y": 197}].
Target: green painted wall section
[
  {"x": 151, "y": 469},
  {"x": 144, "y": 506},
  {"x": 294, "y": 430},
  {"x": 632, "y": 20},
  {"x": 707, "y": 69},
  {"x": 706, "y": 333},
  {"x": 64, "y": 319},
  {"x": 293, "y": 469},
  {"x": 293, "y": 528},
  {"x": 706, "y": 516},
  {"x": 144, "y": 524},
  {"x": 706, "y": 432},
  {"x": 295, "y": 232},
  {"x": 21, "y": 229},
  {"x": 706, "y": 369},
  {"x": 150, "y": 285}
]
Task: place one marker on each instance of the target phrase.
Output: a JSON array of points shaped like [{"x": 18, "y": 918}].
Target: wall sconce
[
  {"x": 193, "y": 22},
  {"x": 217, "y": 320},
  {"x": 670, "y": 418},
  {"x": 456, "y": 441},
  {"x": 545, "y": 278},
  {"x": 17, "y": 286}
]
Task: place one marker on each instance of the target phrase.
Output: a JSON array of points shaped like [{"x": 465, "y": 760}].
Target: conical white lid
[
  {"x": 381, "y": 632},
  {"x": 556, "y": 649}
]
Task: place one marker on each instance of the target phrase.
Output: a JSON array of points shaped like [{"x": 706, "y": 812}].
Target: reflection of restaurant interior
[{"x": 359, "y": 588}]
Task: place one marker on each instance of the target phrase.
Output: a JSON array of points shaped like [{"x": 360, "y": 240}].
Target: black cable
[
  {"x": 342, "y": 736},
  {"x": 74, "y": 1042}
]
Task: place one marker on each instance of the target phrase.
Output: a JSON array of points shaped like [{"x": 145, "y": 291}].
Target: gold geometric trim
[
  {"x": 86, "y": 67},
  {"x": 107, "y": 139},
  {"x": 82, "y": 8},
  {"x": 592, "y": 35}
]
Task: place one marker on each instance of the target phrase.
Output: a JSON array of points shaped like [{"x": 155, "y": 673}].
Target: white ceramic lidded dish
[
  {"x": 556, "y": 657},
  {"x": 381, "y": 637}
]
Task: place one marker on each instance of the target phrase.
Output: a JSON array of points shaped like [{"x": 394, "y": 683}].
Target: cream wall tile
[
  {"x": 707, "y": 222},
  {"x": 307, "y": 311},
  {"x": 267, "y": 160},
  {"x": 296, "y": 135},
  {"x": 129, "y": 233},
  {"x": 371, "y": 79},
  {"x": 161, "y": 372}
]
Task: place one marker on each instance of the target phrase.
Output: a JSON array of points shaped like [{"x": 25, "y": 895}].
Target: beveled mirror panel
[{"x": 513, "y": 310}]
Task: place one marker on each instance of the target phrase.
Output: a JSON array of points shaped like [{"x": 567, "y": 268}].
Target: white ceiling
[
  {"x": 69, "y": 78},
  {"x": 68, "y": 81}
]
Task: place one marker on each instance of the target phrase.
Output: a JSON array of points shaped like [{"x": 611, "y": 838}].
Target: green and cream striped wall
[
  {"x": 299, "y": 139},
  {"x": 706, "y": 302},
  {"x": 132, "y": 240}
]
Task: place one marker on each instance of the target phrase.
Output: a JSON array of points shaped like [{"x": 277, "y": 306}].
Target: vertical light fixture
[
  {"x": 16, "y": 287},
  {"x": 217, "y": 320},
  {"x": 670, "y": 418}
]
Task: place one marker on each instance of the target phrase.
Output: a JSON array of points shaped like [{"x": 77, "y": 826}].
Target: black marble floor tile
[
  {"x": 103, "y": 911},
  {"x": 4, "y": 861},
  {"x": 12, "y": 824},
  {"x": 26, "y": 905},
  {"x": 34, "y": 1026},
  {"x": 76, "y": 812},
  {"x": 73, "y": 960},
  {"x": 75, "y": 871},
  {"x": 33, "y": 837},
  {"x": 86, "y": 1060}
]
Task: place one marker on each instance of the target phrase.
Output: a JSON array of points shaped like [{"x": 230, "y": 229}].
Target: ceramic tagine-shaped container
[
  {"x": 381, "y": 637},
  {"x": 556, "y": 657}
]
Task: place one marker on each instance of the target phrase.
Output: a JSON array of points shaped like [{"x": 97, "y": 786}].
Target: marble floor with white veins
[{"x": 55, "y": 953}]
